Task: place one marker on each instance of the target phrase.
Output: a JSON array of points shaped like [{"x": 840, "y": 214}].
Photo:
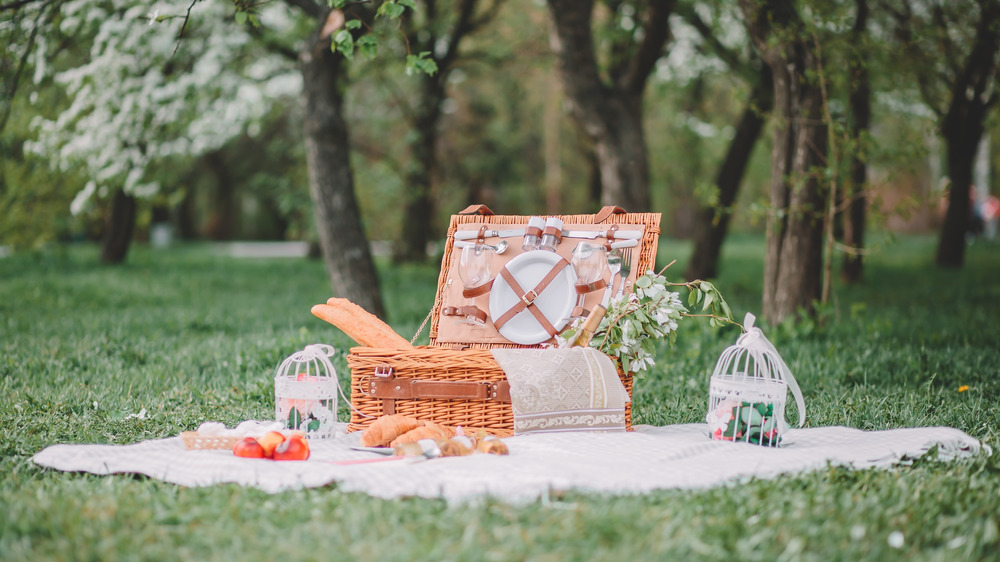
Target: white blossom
[{"x": 135, "y": 102}]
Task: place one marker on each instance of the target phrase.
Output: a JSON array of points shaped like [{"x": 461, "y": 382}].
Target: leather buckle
[{"x": 527, "y": 301}]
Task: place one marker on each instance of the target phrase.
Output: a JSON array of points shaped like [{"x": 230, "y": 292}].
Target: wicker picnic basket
[{"x": 455, "y": 381}]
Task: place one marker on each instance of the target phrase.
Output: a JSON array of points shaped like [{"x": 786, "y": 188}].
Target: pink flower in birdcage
[{"x": 718, "y": 419}]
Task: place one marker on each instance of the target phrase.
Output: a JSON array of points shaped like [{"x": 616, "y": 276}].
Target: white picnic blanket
[{"x": 650, "y": 458}]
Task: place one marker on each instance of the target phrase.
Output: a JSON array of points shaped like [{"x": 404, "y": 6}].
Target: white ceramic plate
[{"x": 555, "y": 303}]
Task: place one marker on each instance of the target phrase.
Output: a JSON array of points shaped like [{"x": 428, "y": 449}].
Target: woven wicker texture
[{"x": 438, "y": 363}]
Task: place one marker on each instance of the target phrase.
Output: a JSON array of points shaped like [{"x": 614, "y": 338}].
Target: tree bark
[
  {"x": 610, "y": 114},
  {"x": 973, "y": 94},
  {"x": 418, "y": 218},
  {"x": 421, "y": 175},
  {"x": 118, "y": 228},
  {"x": 342, "y": 239},
  {"x": 793, "y": 264},
  {"x": 222, "y": 221},
  {"x": 713, "y": 220},
  {"x": 860, "y": 102}
]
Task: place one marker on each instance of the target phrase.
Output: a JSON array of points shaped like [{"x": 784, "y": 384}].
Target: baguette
[{"x": 359, "y": 324}]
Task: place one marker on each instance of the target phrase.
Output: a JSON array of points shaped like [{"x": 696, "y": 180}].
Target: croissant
[
  {"x": 383, "y": 430},
  {"x": 427, "y": 430}
]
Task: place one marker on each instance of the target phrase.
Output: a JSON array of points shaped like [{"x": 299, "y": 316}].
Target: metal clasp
[
  {"x": 383, "y": 371},
  {"x": 527, "y": 301}
]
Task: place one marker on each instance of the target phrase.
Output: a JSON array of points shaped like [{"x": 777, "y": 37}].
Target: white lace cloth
[{"x": 650, "y": 458}]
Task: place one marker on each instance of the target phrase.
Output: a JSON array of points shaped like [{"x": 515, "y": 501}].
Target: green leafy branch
[{"x": 713, "y": 304}]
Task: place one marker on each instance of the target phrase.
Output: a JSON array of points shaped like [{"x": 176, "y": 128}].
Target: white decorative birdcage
[
  {"x": 748, "y": 390},
  {"x": 305, "y": 392}
]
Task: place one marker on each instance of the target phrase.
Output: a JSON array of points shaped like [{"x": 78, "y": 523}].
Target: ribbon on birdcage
[{"x": 763, "y": 354}]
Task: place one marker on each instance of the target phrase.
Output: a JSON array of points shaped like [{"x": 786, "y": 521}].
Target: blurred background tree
[{"x": 210, "y": 134}]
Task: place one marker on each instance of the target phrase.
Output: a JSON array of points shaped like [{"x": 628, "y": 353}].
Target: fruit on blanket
[
  {"x": 427, "y": 430},
  {"x": 383, "y": 430},
  {"x": 269, "y": 441},
  {"x": 249, "y": 448},
  {"x": 361, "y": 325},
  {"x": 294, "y": 448}
]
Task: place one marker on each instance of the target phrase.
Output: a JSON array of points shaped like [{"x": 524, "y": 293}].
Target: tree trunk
[
  {"x": 793, "y": 256},
  {"x": 972, "y": 97},
  {"x": 338, "y": 220},
  {"x": 419, "y": 215},
  {"x": 611, "y": 115},
  {"x": 861, "y": 110},
  {"x": 961, "y": 145},
  {"x": 713, "y": 220},
  {"x": 222, "y": 222},
  {"x": 118, "y": 228}
]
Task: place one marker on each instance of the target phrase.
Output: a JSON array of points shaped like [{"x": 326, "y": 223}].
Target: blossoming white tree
[{"x": 144, "y": 96}]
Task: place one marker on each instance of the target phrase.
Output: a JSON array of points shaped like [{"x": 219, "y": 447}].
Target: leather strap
[
  {"x": 477, "y": 291},
  {"x": 528, "y": 298},
  {"x": 532, "y": 231},
  {"x": 476, "y": 210},
  {"x": 393, "y": 389},
  {"x": 579, "y": 311},
  {"x": 553, "y": 231},
  {"x": 464, "y": 311},
  {"x": 591, "y": 287},
  {"x": 606, "y": 212}
]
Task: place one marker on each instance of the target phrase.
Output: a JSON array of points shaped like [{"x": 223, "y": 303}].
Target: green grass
[{"x": 191, "y": 337}]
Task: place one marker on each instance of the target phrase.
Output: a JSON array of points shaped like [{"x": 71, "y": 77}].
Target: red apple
[
  {"x": 249, "y": 448},
  {"x": 294, "y": 448}
]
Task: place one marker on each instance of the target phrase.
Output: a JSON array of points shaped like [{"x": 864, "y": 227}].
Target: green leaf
[
  {"x": 644, "y": 282},
  {"x": 313, "y": 425},
  {"x": 367, "y": 45},
  {"x": 421, "y": 63},
  {"x": 241, "y": 17},
  {"x": 708, "y": 302},
  {"x": 390, "y": 10},
  {"x": 343, "y": 43},
  {"x": 353, "y": 24},
  {"x": 411, "y": 4},
  {"x": 294, "y": 418}
]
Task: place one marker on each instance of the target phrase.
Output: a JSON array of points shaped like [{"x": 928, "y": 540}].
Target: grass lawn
[{"x": 190, "y": 337}]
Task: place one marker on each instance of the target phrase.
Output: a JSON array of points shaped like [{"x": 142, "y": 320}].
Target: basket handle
[
  {"x": 606, "y": 212},
  {"x": 476, "y": 210}
]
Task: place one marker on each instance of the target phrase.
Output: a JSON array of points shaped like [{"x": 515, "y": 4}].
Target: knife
[
  {"x": 625, "y": 244},
  {"x": 591, "y": 234},
  {"x": 473, "y": 234}
]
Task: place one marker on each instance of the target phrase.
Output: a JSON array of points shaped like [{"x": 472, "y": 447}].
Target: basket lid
[{"x": 639, "y": 230}]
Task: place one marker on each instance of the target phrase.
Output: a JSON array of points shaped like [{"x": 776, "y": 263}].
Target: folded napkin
[{"x": 573, "y": 389}]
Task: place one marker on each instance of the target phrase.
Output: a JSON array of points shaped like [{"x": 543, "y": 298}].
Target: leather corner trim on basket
[
  {"x": 607, "y": 212},
  {"x": 476, "y": 210}
]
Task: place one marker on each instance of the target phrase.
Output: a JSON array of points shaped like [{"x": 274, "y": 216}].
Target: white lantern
[
  {"x": 748, "y": 390},
  {"x": 305, "y": 392}
]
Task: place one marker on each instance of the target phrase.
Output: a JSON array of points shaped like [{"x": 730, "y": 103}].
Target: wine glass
[
  {"x": 475, "y": 267},
  {"x": 589, "y": 262}
]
